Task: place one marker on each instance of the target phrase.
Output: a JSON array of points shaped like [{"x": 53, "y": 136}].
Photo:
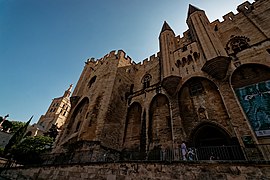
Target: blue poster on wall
[{"x": 255, "y": 101}]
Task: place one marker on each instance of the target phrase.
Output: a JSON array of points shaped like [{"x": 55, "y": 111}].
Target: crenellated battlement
[
  {"x": 188, "y": 84},
  {"x": 153, "y": 58},
  {"x": 183, "y": 41},
  {"x": 120, "y": 55},
  {"x": 90, "y": 61},
  {"x": 245, "y": 8}
]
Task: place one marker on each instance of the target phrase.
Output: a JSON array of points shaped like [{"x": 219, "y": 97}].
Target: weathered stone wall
[
  {"x": 206, "y": 52},
  {"x": 204, "y": 106},
  {"x": 251, "y": 21},
  {"x": 115, "y": 116},
  {"x": 160, "y": 128},
  {"x": 137, "y": 171},
  {"x": 97, "y": 85},
  {"x": 133, "y": 127},
  {"x": 149, "y": 66}
]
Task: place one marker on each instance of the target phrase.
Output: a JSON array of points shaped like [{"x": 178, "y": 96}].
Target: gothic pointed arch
[
  {"x": 78, "y": 115},
  {"x": 237, "y": 44},
  {"x": 146, "y": 80},
  {"x": 200, "y": 101},
  {"x": 251, "y": 83},
  {"x": 209, "y": 134},
  {"x": 160, "y": 129},
  {"x": 133, "y": 127}
]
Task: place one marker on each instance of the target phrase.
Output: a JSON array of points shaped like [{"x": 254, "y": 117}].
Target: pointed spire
[
  {"x": 70, "y": 87},
  {"x": 166, "y": 27},
  {"x": 192, "y": 9},
  {"x": 68, "y": 91}
]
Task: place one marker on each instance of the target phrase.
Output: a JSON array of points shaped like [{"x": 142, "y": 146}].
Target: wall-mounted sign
[{"x": 255, "y": 101}]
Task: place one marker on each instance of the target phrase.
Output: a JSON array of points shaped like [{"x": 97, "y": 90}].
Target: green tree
[
  {"x": 16, "y": 125},
  {"x": 30, "y": 149},
  {"x": 17, "y": 137}
]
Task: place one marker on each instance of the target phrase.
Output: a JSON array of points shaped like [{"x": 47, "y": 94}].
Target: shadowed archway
[
  {"x": 133, "y": 127},
  {"x": 78, "y": 116},
  {"x": 160, "y": 129},
  {"x": 200, "y": 101},
  {"x": 212, "y": 142},
  {"x": 208, "y": 134}
]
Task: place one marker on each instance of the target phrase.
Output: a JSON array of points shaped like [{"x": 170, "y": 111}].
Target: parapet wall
[
  {"x": 245, "y": 7},
  {"x": 148, "y": 61},
  {"x": 120, "y": 54},
  {"x": 124, "y": 60},
  {"x": 129, "y": 171}
]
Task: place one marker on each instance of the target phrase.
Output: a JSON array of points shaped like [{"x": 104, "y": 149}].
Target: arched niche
[
  {"x": 133, "y": 126},
  {"x": 213, "y": 142},
  {"x": 92, "y": 81},
  {"x": 209, "y": 134},
  {"x": 78, "y": 115},
  {"x": 199, "y": 101},
  {"x": 251, "y": 83},
  {"x": 160, "y": 129}
]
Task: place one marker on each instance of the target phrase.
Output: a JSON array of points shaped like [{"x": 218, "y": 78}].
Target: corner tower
[
  {"x": 217, "y": 60},
  {"x": 167, "y": 47}
]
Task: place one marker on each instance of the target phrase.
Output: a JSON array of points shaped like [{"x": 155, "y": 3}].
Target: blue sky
[{"x": 44, "y": 43}]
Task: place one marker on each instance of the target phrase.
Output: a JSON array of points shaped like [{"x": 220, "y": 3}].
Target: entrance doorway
[
  {"x": 213, "y": 143},
  {"x": 210, "y": 135}
]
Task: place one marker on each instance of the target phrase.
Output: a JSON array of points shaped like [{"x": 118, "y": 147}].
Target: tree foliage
[
  {"x": 17, "y": 137},
  {"x": 37, "y": 144},
  {"x": 13, "y": 125},
  {"x": 30, "y": 149},
  {"x": 16, "y": 125}
]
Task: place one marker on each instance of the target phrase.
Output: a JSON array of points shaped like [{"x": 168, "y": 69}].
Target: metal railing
[{"x": 211, "y": 153}]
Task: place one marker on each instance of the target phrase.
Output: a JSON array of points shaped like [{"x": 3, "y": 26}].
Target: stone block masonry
[
  {"x": 208, "y": 88},
  {"x": 141, "y": 170}
]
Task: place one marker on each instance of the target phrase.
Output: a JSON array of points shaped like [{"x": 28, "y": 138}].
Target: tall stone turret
[
  {"x": 167, "y": 47},
  {"x": 217, "y": 60}
]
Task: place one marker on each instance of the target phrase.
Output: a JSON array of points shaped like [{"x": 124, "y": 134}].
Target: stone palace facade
[{"x": 210, "y": 87}]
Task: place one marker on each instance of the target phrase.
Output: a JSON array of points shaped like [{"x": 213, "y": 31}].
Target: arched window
[
  {"x": 178, "y": 63},
  {"x": 184, "y": 61},
  {"x": 237, "y": 44},
  {"x": 190, "y": 59},
  {"x": 92, "y": 81},
  {"x": 146, "y": 80},
  {"x": 196, "y": 56},
  {"x": 195, "y": 87}
]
